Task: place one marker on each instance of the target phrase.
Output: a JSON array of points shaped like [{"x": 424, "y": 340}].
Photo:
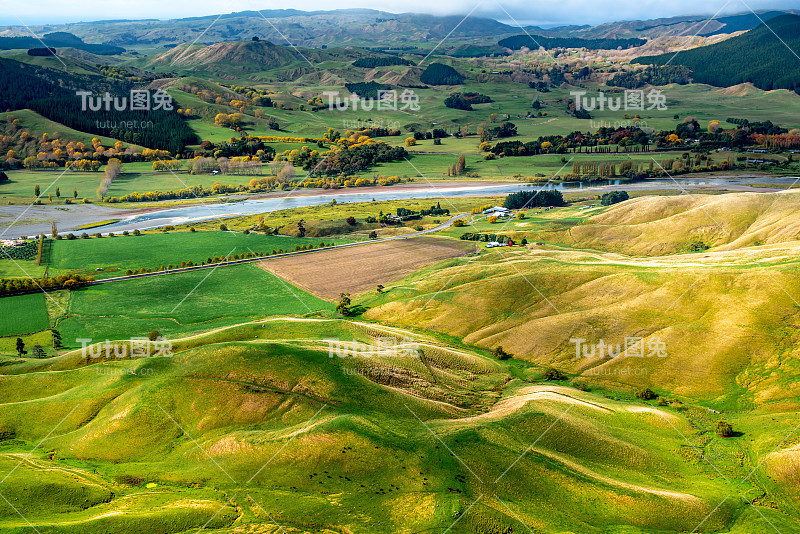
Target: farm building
[{"x": 497, "y": 211}]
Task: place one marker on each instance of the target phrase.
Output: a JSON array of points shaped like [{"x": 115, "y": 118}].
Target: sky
[{"x": 526, "y": 12}]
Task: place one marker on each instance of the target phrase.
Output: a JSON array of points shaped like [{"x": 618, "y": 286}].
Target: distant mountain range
[
  {"x": 765, "y": 56},
  {"x": 361, "y": 27}
]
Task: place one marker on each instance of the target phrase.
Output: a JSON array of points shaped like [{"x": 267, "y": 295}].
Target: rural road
[{"x": 442, "y": 226}]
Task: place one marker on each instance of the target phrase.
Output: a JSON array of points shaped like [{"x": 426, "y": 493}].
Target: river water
[{"x": 32, "y": 220}]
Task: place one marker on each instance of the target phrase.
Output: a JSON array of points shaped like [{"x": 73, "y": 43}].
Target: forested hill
[
  {"x": 757, "y": 56},
  {"x": 51, "y": 93},
  {"x": 58, "y": 39},
  {"x": 20, "y": 83},
  {"x": 535, "y": 41}
]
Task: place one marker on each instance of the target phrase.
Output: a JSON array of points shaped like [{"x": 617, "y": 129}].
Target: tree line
[{"x": 534, "y": 42}]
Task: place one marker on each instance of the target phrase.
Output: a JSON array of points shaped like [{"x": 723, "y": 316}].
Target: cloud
[{"x": 524, "y": 11}]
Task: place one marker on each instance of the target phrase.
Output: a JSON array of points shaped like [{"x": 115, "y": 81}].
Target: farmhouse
[{"x": 498, "y": 211}]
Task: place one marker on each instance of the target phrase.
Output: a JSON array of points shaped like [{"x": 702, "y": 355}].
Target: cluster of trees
[
  {"x": 256, "y": 97},
  {"x": 534, "y": 199},
  {"x": 367, "y": 90},
  {"x": 42, "y": 52},
  {"x": 372, "y": 62},
  {"x": 440, "y": 74},
  {"x": 458, "y": 168},
  {"x": 15, "y": 286},
  {"x": 27, "y": 251},
  {"x": 594, "y": 169},
  {"x": 764, "y": 128},
  {"x": 534, "y": 42},
  {"x": 614, "y": 197},
  {"x": 486, "y": 133},
  {"x": 162, "y": 129},
  {"x": 652, "y": 75},
  {"x": 229, "y": 120},
  {"x": 599, "y": 141},
  {"x": 485, "y": 238},
  {"x": 113, "y": 170},
  {"x": 352, "y": 181},
  {"x": 189, "y": 192},
  {"x": 465, "y": 100},
  {"x": 243, "y": 146},
  {"x": 167, "y": 165},
  {"x": 782, "y": 141},
  {"x": 746, "y": 133},
  {"x": 357, "y": 158}
]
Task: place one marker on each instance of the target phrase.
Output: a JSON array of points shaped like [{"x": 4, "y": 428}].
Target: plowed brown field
[{"x": 358, "y": 269}]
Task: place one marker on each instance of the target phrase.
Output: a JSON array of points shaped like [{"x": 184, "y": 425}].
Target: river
[{"x": 31, "y": 220}]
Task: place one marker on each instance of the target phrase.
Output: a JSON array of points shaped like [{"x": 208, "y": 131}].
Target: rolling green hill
[
  {"x": 722, "y": 299},
  {"x": 259, "y": 424}
]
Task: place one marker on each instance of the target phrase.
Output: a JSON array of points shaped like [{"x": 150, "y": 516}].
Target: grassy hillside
[
  {"x": 265, "y": 393},
  {"x": 723, "y": 313}
]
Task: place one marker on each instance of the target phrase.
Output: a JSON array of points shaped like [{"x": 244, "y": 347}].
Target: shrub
[
  {"x": 646, "y": 394},
  {"x": 614, "y": 197},
  {"x": 724, "y": 429},
  {"x": 458, "y": 223},
  {"x": 501, "y": 354},
  {"x": 553, "y": 375}
]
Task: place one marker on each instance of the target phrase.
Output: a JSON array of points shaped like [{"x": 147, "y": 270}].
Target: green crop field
[
  {"x": 179, "y": 303},
  {"x": 23, "y": 314},
  {"x": 152, "y": 250}
]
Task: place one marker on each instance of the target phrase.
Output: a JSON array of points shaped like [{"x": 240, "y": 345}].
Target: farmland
[
  {"x": 153, "y": 250},
  {"x": 24, "y": 314},
  {"x": 179, "y": 303},
  {"x": 329, "y": 273},
  {"x": 252, "y": 312}
]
